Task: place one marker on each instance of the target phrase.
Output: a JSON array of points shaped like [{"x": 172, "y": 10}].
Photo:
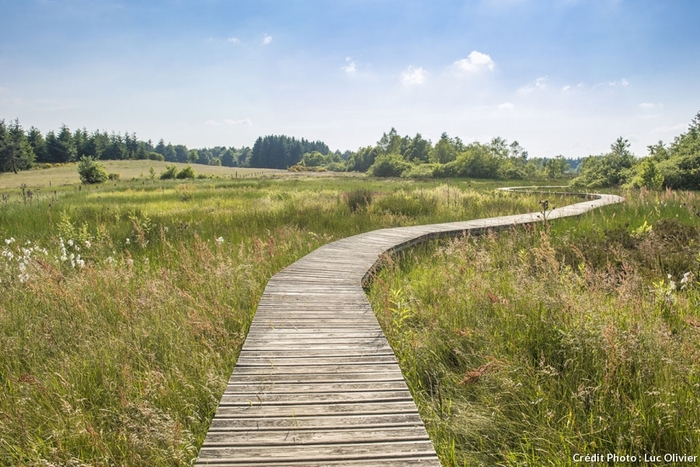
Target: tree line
[
  {"x": 674, "y": 165},
  {"x": 20, "y": 149}
]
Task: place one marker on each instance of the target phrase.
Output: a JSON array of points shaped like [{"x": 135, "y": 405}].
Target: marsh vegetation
[{"x": 123, "y": 306}]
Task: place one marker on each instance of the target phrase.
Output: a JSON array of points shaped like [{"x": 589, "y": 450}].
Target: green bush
[
  {"x": 389, "y": 165},
  {"x": 420, "y": 171},
  {"x": 154, "y": 156},
  {"x": 170, "y": 172},
  {"x": 187, "y": 172},
  {"x": 91, "y": 171},
  {"x": 113, "y": 176}
]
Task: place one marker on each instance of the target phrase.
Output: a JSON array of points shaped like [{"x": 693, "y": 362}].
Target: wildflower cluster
[
  {"x": 17, "y": 259},
  {"x": 70, "y": 251}
]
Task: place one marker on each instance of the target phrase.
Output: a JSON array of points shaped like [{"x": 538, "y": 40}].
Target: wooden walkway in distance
[{"x": 316, "y": 383}]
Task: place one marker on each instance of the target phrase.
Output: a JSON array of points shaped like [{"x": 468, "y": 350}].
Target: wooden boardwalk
[{"x": 316, "y": 383}]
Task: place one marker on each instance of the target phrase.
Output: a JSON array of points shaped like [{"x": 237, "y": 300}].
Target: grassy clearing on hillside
[
  {"x": 529, "y": 346},
  {"x": 123, "y": 306},
  {"x": 68, "y": 174}
]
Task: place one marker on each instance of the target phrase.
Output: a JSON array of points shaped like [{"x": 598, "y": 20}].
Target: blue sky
[{"x": 559, "y": 76}]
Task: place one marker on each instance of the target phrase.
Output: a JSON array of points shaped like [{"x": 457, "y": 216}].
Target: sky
[{"x": 559, "y": 76}]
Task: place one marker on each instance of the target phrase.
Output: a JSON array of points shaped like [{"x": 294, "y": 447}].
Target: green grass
[
  {"x": 526, "y": 347},
  {"x": 128, "y": 169},
  {"x": 123, "y": 306}
]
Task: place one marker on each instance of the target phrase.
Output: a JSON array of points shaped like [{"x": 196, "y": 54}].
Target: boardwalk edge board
[{"x": 316, "y": 382}]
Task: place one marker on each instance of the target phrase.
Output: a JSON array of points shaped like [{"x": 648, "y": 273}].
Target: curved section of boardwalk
[{"x": 316, "y": 383}]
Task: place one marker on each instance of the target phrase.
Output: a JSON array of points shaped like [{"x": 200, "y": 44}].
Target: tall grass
[
  {"x": 530, "y": 346},
  {"x": 123, "y": 308}
]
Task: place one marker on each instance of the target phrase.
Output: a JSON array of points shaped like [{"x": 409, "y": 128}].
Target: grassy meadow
[
  {"x": 67, "y": 174},
  {"x": 535, "y": 344},
  {"x": 123, "y": 306}
]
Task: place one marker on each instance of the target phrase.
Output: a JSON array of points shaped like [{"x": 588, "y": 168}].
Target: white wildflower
[
  {"x": 128, "y": 241},
  {"x": 110, "y": 260},
  {"x": 22, "y": 267},
  {"x": 70, "y": 242},
  {"x": 23, "y": 278},
  {"x": 80, "y": 262},
  {"x": 88, "y": 244},
  {"x": 686, "y": 279},
  {"x": 220, "y": 240}
]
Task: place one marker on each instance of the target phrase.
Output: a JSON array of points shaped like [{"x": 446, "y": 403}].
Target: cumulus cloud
[
  {"x": 413, "y": 76},
  {"x": 266, "y": 40},
  {"x": 506, "y": 106},
  {"x": 474, "y": 63},
  {"x": 350, "y": 68}
]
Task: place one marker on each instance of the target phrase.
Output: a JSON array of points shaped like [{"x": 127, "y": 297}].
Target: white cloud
[
  {"x": 539, "y": 84},
  {"x": 566, "y": 88},
  {"x": 475, "y": 63},
  {"x": 234, "y": 40},
  {"x": 350, "y": 68},
  {"x": 506, "y": 106},
  {"x": 650, "y": 106},
  {"x": 266, "y": 40},
  {"x": 623, "y": 82},
  {"x": 414, "y": 76}
]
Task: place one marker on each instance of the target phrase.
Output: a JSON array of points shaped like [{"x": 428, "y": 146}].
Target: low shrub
[
  {"x": 389, "y": 165},
  {"x": 91, "y": 171},
  {"x": 170, "y": 172},
  {"x": 187, "y": 172}
]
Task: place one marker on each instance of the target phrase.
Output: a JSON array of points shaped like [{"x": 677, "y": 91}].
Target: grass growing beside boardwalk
[
  {"x": 529, "y": 346},
  {"x": 123, "y": 307}
]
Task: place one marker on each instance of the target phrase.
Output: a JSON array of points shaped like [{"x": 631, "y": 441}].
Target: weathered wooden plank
[
  {"x": 316, "y": 435},
  {"x": 316, "y": 383},
  {"x": 245, "y": 423}
]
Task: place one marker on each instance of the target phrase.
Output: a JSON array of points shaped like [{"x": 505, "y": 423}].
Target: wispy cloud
[
  {"x": 267, "y": 39},
  {"x": 539, "y": 84},
  {"x": 649, "y": 106},
  {"x": 233, "y": 40},
  {"x": 475, "y": 63},
  {"x": 506, "y": 106},
  {"x": 351, "y": 67},
  {"x": 623, "y": 82},
  {"x": 413, "y": 76}
]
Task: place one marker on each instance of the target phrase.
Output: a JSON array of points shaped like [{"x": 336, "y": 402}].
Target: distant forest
[{"x": 676, "y": 165}]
